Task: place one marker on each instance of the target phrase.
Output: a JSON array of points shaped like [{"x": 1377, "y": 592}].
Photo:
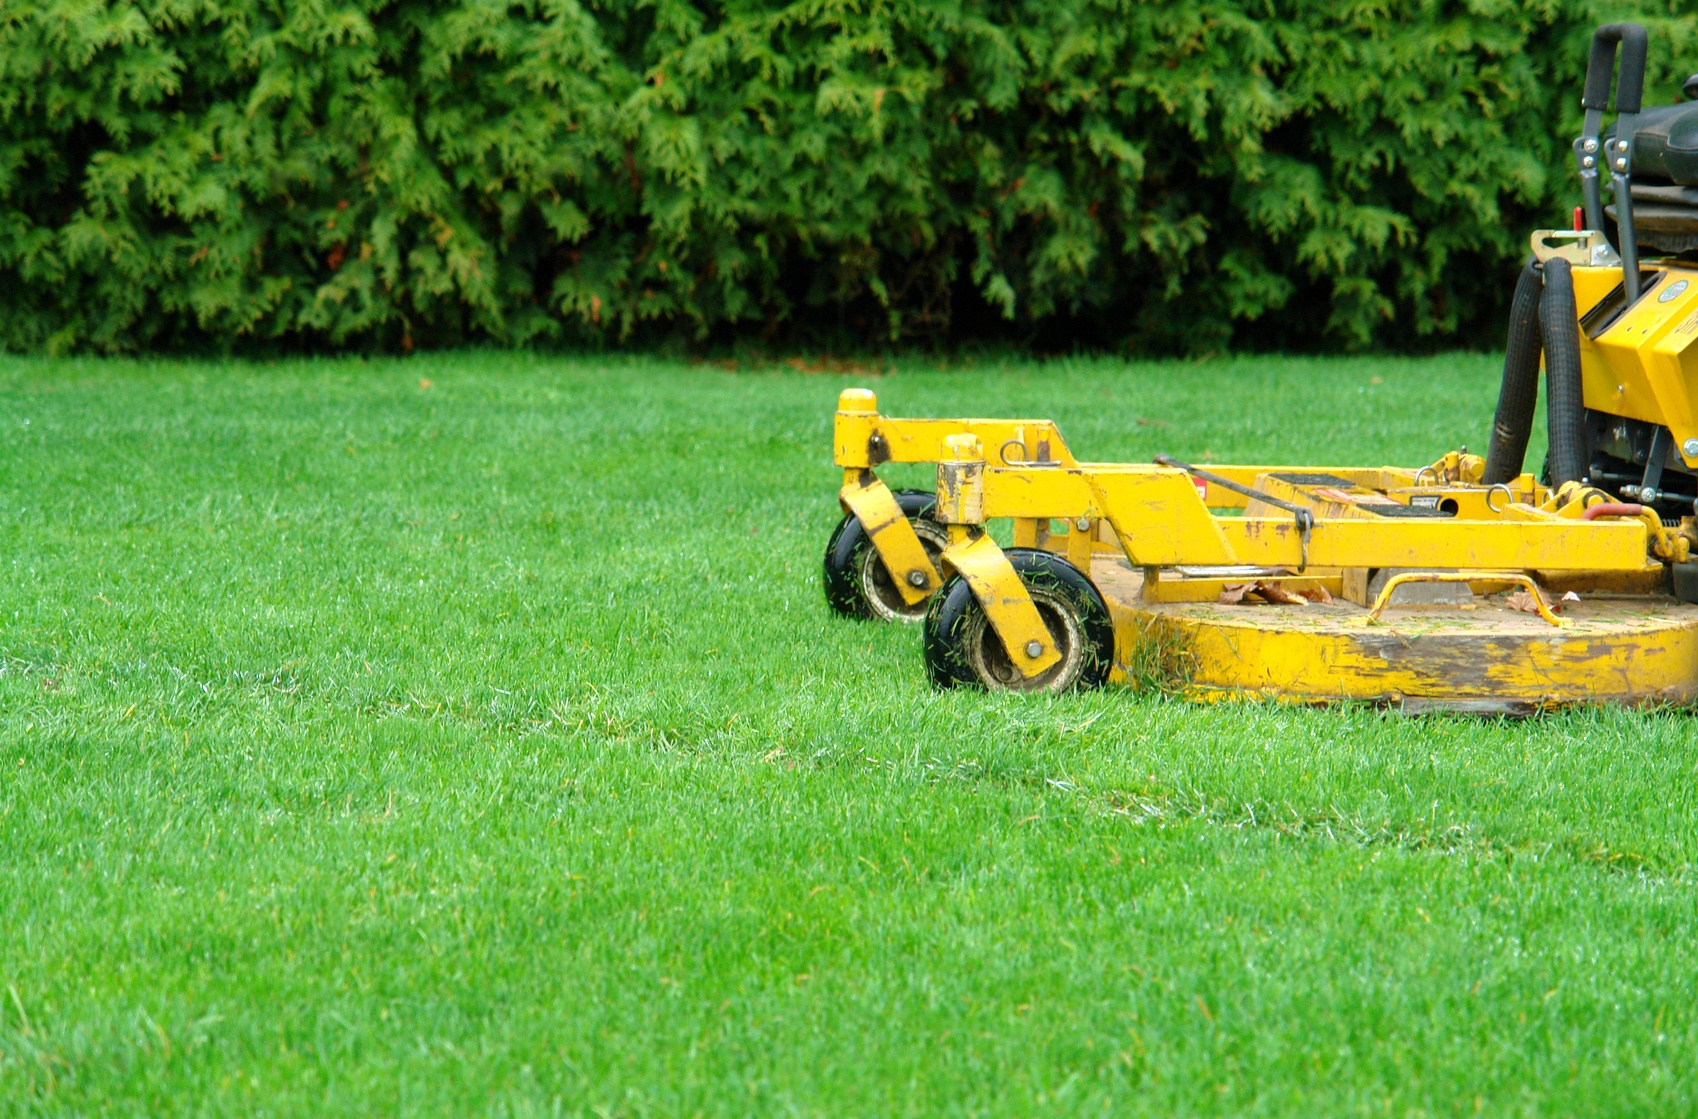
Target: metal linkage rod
[{"x": 1304, "y": 518}]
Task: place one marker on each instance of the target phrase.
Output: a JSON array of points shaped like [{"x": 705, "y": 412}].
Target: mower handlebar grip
[{"x": 1630, "y": 90}]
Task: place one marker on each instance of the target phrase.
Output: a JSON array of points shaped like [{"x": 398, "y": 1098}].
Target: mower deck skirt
[{"x": 1485, "y": 657}]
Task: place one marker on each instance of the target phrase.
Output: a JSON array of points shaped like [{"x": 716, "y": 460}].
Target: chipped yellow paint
[
  {"x": 1081, "y": 540},
  {"x": 862, "y": 439},
  {"x": 1566, "y": 545},
  {"x": 871, "y": 501},
  {"x": 1006, "y": 602},
  {"x": 960, "y": 481},
  {"x": 1613, "y": 649}
]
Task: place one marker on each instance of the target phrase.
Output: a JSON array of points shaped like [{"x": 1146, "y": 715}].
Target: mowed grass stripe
[{"x": 468, "y": 735}]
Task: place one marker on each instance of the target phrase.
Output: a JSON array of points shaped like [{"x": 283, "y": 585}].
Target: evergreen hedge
[{"x": 1174, "y": 174}]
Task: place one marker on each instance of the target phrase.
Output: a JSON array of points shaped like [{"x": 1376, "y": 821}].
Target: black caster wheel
[
  {"x": 1685, "y": 580},
  {"x": 962, "y": 648},
  {"x": 857, "y": 584}
]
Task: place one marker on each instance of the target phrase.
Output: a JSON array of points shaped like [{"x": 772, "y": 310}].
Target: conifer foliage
[{"x": 399, "y": 173}]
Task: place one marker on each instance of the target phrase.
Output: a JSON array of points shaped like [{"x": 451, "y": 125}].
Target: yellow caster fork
[
  {"x": 1008, "y": 606},
  {"x": 870, "y": 501}
]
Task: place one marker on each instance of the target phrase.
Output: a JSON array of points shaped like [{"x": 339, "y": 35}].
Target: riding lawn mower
[{"x": 1469, "y": 583}]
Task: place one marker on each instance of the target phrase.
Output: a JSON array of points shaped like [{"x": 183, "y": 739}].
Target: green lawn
[{"x": 468, "y": 735}]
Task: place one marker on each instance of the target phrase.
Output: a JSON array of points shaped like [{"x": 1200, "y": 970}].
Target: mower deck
[{"x": 1482, "y": 656}]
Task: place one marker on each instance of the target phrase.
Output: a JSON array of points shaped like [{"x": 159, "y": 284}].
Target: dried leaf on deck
[
  {"x": 1522, "y": 599},
  {"x": 1234, "y": 594},
  {"x": 1279, "y": 596}
]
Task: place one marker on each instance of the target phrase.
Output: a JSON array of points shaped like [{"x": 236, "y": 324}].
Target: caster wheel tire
[
  {"x": 857, "y": 584},
  {"x": 1685, "y": 576},
  {"x": 962, "y": 648}
]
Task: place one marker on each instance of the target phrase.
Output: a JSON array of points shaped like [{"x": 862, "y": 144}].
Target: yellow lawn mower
[{"x": 1468, "y": 583}]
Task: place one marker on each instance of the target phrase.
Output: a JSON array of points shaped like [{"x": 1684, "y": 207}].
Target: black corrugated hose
[
  {"x": 1519, "y": 393},
  {"x": 1564, "y": 403},
  {"x": 1541, "y": 317}
]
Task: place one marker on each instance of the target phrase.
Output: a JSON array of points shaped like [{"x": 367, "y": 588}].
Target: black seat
[
  {"x": 1665, "y": 178},
  {"x": 1665, "y": 144}
]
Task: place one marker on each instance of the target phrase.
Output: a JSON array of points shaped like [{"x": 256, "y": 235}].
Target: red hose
[{"x": 1611, "y": 509}]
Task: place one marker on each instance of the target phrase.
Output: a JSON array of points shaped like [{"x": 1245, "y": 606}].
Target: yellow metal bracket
[
  {"x": 1586, "y": 247},
  {"x": 1520, "y": 579},
  {"x": 1006, "y": 603},
  {"x": 1457, "y": 467},
  {"x": 1159, "y": 516},
  {"x": 1665, "y": 544},
  {"x": 898, "y": 545}
]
